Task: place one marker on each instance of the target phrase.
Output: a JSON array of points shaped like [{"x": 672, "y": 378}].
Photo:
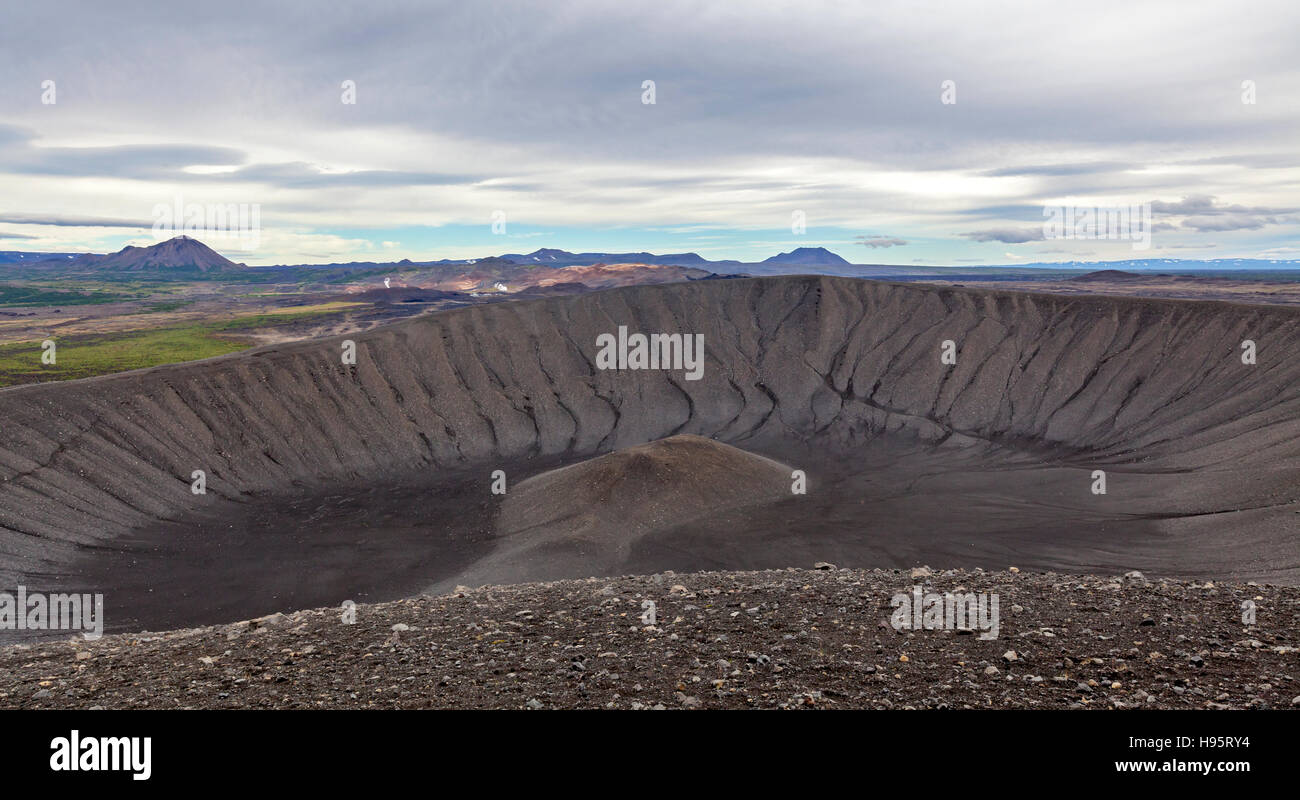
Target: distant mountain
[
  {"x": 180, "y": 253},
  {"x": 544, "y": 255},
  {"x": 184, "y": 257},
  {"x": 490, "y": 261},
  {"x": 808, "y": 256},
  {"x": 563, "y": 258}
]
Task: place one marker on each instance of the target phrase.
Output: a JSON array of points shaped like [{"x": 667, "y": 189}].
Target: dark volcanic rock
[{"x": 783, "y": 639}]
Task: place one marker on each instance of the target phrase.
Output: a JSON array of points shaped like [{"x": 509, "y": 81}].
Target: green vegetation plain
[
  {"x": 27, "y": 296},
  {"x": 86, "y": 356}
]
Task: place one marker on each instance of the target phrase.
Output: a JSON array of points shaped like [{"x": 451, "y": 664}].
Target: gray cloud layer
[
  {"x": 1006, "y": 235},
  {"x": 877, "y": 242},
  {"x": 760, "y": 108}
]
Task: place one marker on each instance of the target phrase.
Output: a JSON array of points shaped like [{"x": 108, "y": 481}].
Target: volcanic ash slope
[{"x": 586, "y": 518}]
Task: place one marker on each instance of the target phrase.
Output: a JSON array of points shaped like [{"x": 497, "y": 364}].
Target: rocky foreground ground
[{"x": 776, "y": 639}]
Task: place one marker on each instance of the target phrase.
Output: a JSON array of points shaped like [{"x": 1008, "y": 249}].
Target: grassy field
[
  {"x": 25, "y": 296},
  {"x": 84, "y": 357},
  {"x": 89, "y": 355},
  {"x": 167, "y": 305},
  {"x": 271, "y": 319}
]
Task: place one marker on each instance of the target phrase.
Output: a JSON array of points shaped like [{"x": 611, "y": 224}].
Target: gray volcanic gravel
[{"x": 775, "y": 639}]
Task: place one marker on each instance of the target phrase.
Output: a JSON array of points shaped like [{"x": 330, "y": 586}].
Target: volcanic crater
[{"x": 328, "y": 481}]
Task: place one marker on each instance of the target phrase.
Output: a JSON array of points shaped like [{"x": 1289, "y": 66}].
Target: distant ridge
[
  {"x": 563, "y": 258},
  {"x": 184, "y": 253},
  {"x": 20, "y": 257}
]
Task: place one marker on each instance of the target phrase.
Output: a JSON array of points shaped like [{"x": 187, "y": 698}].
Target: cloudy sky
[{"x": 534, "y": 115}]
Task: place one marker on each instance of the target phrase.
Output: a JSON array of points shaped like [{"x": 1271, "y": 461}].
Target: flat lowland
[
  {"x": 179, "y": 301},
  {"x": 1253, "y": 290},
  {"x": 104, "y": 323},
  {"x": 777, "y": 639},
  {"x": 101, "y": 332}
]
